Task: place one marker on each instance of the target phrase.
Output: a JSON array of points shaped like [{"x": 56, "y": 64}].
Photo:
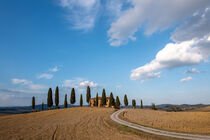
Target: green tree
[
  {"x": 96, "y": 103},
  {"x": 57, "y": 97},
  {"x": 141, "y": 104},
  {"x": 153, "y": 106},
  {"x": 73, "y": 98},
  {"x": 33, "y": 103},
  {"x": 65, "y": 102},
  {"x": 81, "y": 100},
  {"x": 134, "y": 103},
  {"x": 103, "y": 99},
  {"x": 117, "y": 104},
  {"x": 49, "y": 98},
  {"x": 125, "y": 100},
  {"x": 42, "y": 106},
  {"x": 88, "y": 95},
  {"x": 111, "y": 100}
]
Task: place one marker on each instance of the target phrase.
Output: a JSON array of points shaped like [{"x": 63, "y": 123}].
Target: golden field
[
  {"x": 71, "y": 124},
  {"x": 189, "y": 122}
]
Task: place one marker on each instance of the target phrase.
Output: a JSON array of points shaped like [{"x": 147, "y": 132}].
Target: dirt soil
[
  {"x": 189, "y": 122},
  {"x": 71, "y": 124}
]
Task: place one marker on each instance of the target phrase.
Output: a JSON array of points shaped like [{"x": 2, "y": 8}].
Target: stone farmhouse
[{"x": 93, "y": 101}]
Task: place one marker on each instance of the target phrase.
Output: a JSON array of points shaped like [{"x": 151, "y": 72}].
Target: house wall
[{"x": 92, "y": 101}]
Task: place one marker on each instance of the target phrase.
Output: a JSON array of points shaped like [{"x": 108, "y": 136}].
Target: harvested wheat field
[
  {"x": 72, "y": 124},
  {"x": 200, "y": 109},
  {"x": 189, "y": 122}
]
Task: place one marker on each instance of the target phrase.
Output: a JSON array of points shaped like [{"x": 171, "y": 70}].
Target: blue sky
[{"x": 160, "y": 56}]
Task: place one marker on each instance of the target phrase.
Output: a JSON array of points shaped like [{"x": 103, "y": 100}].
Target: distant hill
[
  {"x": 165, "y": 107},
  {"x": 24, "y": 109}
]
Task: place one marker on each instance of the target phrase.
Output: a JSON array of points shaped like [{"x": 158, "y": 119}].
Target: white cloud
[
  {"x": 192, "y": 45},
  {"x": 29, "y": 84},
  {"x": 79, "y": 83},
  {"x": 55, "y": 69},
  {"x": 81, "y": 13},
  {"x": 193, "y": 70},
  {"x": 45, "y": 76},
  {"x": 88, "y": 83},
  {"x": 164, "y": 14},
  {"x": 21, "y": 81},
  {"x": 171, "y": 56},
  {"x": 186, "y": 79},
  {"x": 114, "y": 8}
]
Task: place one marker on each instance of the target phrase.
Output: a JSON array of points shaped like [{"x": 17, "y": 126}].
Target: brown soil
[{"x": 71, "y": 124}]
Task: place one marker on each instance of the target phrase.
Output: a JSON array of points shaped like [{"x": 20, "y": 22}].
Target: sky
[{"x": 154, "y": 50}]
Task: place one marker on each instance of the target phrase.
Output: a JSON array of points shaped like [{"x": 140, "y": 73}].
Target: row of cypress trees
[
  {"x": 72, "y": 98},
  {"x": 112, "y": 101}
]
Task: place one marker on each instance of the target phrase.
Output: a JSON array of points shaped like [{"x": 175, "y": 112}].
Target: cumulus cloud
[
  {"x": 88, "y": 83},
  {"x": 197, "y": 28},
  {"x": 164, "y": 14},
  {"x": 188, "y": 48},
  {"x": 79, "y": 83},
  {"x": 186, "y": 79},
  {"x": 171, "y": 56},
  {"x": 54, "y": 69},
  {"x": 81, "y": 13},
  {"x": 29, "y": 84},
  {"x": 192, "y": 71},
  {"x": 45, "y": 76}
]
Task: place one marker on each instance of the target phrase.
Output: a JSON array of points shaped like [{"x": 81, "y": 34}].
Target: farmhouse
[{"x": 93, "y": 101}]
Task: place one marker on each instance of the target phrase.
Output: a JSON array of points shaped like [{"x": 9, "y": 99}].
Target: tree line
[{"x": 112, "y": 101}]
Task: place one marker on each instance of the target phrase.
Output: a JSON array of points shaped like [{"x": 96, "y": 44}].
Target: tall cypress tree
[
  {"x": 134, "y": 103},
  {"x": 65, "y": 102},
  {"x": 73, "y": 98},
  {"x": 88, "y": 95},
  {"x": 141, "y": 104},
  {"x": 49, "y": 98},
  {"x": 81, "y": 100},
  {"x": 57, "y": 97},
  {"x": 103, "y": 99},
  {"x": 111, "y": 100},
  {"x": 42, "y": 106},
  {"x": 153, "y": 106},
  {"x": 125, "y": 100},
  {"x": 117, "y": 104},
  {"x": 96, "y": 103},
  {"x": 33, "y": 103}
]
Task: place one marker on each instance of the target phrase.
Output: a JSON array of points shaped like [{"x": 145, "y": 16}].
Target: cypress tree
[
  {"x": 134, "y": 103},
  {"x": 57, "y": 97},
  {"x": 65, "y": 102},
  {"x": 103, "y": 99},
  {"x": 141, "y": 104},
  {"x": 33, "y": 103},
  {"x": 88, "y": 95},
  {"x": 96, "y": 104},
  {"x": 73, "y": 98},
  {"x": 125, "y": 100},
  {"x": 81, "y": 100},
  {"x": 49, "y": 98},
  {"x": 111, "y": 100},
  {"x": 153, "y": 106},
  {"x": 42, "y": 106},
  {"x": 117, "y": 104}
]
